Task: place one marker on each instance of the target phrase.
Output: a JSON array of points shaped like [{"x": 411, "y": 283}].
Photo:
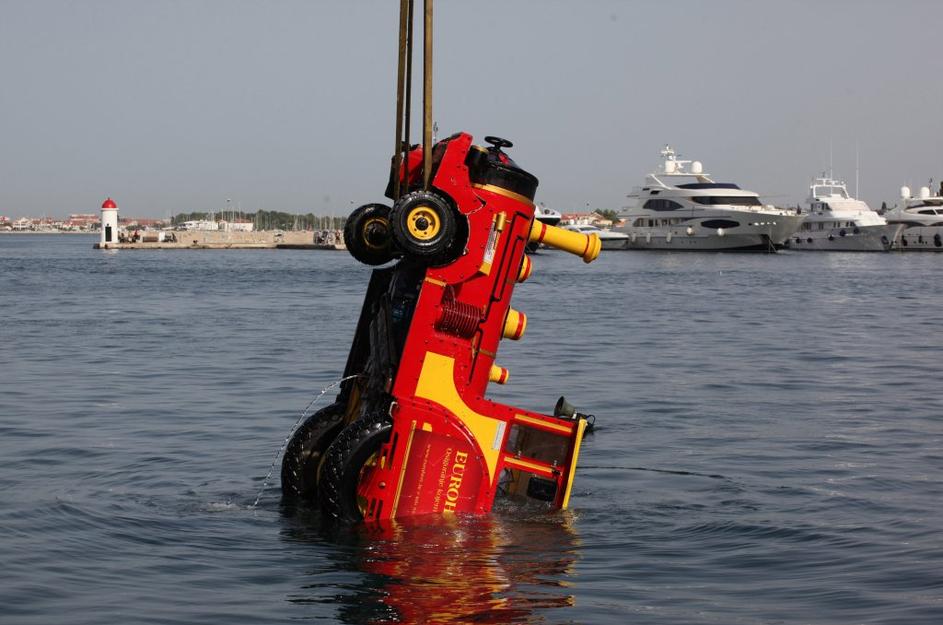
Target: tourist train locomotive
[{"x": 411, "y": 432}]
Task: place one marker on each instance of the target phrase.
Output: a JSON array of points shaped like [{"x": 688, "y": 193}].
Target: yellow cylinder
[
  {"x": 498, "y": 375},
  {"x": 586, "y": 246},
  {"x": 526, "y": 268},
  {"x": 514, "y": 324}
]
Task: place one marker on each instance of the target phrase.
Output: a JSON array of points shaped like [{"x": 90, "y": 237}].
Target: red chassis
[{"x": 415, "y": 434}]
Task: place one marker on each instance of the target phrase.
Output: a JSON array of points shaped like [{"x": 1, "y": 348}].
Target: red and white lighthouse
[{"x": 109, "y": 223}]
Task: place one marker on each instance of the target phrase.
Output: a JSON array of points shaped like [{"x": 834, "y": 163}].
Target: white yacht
[
  {"x": 835, "y": 221},
  {"x": 921, "y": 218},
  {"x": 609, "y": 240},
  {"x": 702, "y": 214}
]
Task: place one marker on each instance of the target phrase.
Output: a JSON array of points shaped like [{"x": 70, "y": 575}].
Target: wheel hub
[{"x": 423, "y": 223}]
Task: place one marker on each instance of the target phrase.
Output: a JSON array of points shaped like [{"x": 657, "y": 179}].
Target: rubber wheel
[
  {"x": 423, "y": 225},
  {"x": 343, "y": 465},
  {"x": 305, "y": 451},
  {"x": 368, "y": 236}
]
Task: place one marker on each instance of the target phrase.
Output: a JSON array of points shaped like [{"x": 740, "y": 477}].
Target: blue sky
[{"x": 172, "y": 106}]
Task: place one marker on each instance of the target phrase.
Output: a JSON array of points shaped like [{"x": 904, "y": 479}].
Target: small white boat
[
  {"x": 701, "y": 215},
  {"x": 921, "y": 218},
  {"x": 610, "y": 240},
  {"x": 835, "y": 221},
  {"x": 547, "y": 215}
]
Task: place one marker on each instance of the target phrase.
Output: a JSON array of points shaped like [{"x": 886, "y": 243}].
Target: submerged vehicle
[
  {"x": 411, "y": 432},
  {"x": 921, "y": 218},
  {"x": 835, "y": 221},
  {"x": 701, "y": 214}
]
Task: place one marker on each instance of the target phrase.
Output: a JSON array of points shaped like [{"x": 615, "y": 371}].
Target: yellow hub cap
[{"x": 423, "y": 223}]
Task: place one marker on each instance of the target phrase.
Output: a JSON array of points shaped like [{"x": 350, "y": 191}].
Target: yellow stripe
[
  {"x": 563, "y": 429},
  {"x": 523, "y": 464},
  {"x": 402, "y": 471},
  {"x": 576, "y": 454},
  {"x": 501, "y": 191},
  {"x": 437, "y": 383},
  {"x": 436, "y": 282}
]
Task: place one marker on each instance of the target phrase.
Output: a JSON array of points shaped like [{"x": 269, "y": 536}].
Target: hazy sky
[{"x": 170, "y": 106}]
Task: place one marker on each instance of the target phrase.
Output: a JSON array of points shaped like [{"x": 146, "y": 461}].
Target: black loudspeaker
[{"x": 564, "y": 409}]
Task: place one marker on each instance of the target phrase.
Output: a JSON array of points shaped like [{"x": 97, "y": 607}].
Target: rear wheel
[
  {"x": 349, "y": 457},
  {"x": 424, "y": 226},
  {"x": 368, "y": 236},
  {"x": 305, "y": 451}
]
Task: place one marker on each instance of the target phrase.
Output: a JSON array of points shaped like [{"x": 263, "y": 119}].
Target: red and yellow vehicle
[{"x": 413, "y": 433}]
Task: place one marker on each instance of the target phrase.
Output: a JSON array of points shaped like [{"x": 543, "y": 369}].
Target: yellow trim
[
  {"x": 402, "y": 471},
  {"x": 436, "y": 282},
  {"x": 576, "y": 454},
  {"x": 544, "y": 424},
  {"x": 437, "y": 384},
  {"x": 501, "y": 191},
  {"x": 517, "y": 463}
]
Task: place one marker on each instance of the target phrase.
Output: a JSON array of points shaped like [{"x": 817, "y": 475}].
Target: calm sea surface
[{"x": 769, "y": 445}]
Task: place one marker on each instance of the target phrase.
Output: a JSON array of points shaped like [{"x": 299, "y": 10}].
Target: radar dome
[
  {"x": 905, "y": 192},
  {"x": 697, "y": 167},
  {"x": 670, "y": 167},
  {"x": 924, "y": 193}
]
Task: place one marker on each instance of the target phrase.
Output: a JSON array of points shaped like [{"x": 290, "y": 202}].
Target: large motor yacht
[
  {"x": 702, "y": 214},
  {"x": 921, "y": 218},
  {"x": 835, "y": 221}
]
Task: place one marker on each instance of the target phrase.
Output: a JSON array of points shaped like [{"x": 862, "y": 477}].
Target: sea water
[{"x": 769, "y": 443}]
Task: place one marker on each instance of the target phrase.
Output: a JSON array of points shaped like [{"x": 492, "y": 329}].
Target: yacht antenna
[
  {"x": 856, "y": 171},
  {"x": 830, "y": 171}
]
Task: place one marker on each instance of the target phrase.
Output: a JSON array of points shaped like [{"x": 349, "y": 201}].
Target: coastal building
[{"x": 237, "y": 226}]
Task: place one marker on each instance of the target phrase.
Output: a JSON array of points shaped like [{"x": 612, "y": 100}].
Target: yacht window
[
  {"x": 662, "y": 205},
  {"x": 927, "y": 211},
  {"x": 731, "y": 200},
  {"x": 720, "y": 223}
]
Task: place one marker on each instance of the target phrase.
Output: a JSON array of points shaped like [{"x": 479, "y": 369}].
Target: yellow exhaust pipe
[
  {"x": 498, "y": 375},
  {"x": 585, "y": 246},
  {"x": 514, "y": 324}
]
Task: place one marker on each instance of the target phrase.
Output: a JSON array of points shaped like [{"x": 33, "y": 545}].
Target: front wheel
[{"x": 348, "y": 459}]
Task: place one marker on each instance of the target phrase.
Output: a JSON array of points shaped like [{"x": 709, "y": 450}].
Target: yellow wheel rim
[
  {"x": 374, "y": 220},
  {"x": 423, "y": 223}
]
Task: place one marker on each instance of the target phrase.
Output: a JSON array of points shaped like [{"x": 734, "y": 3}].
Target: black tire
[
  {"x": 423, "y": 225},
  {"x": 346, "y": 457},
  {"x": 368, "y": 236},
  {"x": 305, "y": 451}
]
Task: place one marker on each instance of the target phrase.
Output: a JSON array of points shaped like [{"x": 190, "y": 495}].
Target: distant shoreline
[{"x": 93, "y": 233}]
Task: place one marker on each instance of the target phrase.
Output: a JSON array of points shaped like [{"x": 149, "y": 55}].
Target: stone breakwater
[{"x": 210, "y": 240}]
